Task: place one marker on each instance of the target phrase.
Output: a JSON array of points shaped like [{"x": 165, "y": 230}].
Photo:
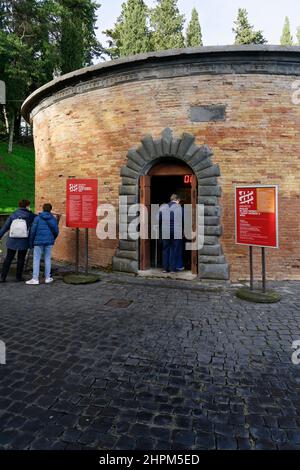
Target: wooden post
[{"x": 145, "y": 199}]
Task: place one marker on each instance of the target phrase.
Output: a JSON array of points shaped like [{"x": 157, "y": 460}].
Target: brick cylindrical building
[{"x": 226, "y": 115}]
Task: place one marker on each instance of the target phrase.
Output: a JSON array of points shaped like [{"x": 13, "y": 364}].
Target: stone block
[
  {"x": 208, "y": 113},
  {"x": 186, "y": 142},
  {"x": 125, "y": 265},
  {"x": 214, "y": 271},
  {"x": 213, "y": 230},
  {"x": 211, "y": 250},
  {"x": 213, "y": 170},
  {"x": 208, "y": 200},
  {"x": 128, "y": 172},
  {"x": 149, "y": 146},
  {"x": 210, "y": 191}
]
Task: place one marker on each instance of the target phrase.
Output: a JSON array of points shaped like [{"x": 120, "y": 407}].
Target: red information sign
[
  {"x": 256, "y": 215},
  {"x": 82, "y": 203}
]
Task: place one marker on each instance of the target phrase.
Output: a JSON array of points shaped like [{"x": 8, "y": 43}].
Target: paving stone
[
  {"x": 214, "y": 374},
  {"x": 205, "y": 441}
]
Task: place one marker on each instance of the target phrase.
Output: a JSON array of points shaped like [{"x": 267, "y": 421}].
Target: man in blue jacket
[
  {"x": 171, "y": 228},
  {"x": 43, "y": 234},
  {"x": 16, "y": 243}
]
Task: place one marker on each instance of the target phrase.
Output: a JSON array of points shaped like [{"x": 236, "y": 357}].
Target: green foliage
[
  {"x": 286, "y": 36},
  {"x": 77, "y": 39},
  {"x": 130, "y": 34},
  {"x": 16, "y": 177},
  {"x": 40, "y": 39},
  {"x": 244, "y": 32},
  {"x": 167, "y": 26},
  {"x": 194, "y": 33}
]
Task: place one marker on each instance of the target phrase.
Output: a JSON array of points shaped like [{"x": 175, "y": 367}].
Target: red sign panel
[
  {"x": 256, "y": 215},
  {"x": 82, "y": 203}
]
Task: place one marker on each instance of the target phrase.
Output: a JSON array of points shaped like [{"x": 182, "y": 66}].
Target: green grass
[{"x": 16, "y": 177}]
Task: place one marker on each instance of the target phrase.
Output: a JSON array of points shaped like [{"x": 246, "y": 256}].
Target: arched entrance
[
  {"x": 166, "y": 177},
  {"x": 210, "y": 258}
]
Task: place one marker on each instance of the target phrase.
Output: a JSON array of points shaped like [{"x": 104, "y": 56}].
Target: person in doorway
[
  {"x": 18, "y": 225},
  {"x": 171, "y": 223},
  {"x": 42, "y": 237}
]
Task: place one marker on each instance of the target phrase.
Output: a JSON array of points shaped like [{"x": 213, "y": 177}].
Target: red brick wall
[{"x": 88, "y": 135}]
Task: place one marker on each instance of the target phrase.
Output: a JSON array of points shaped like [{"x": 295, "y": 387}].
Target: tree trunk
[
  {"x": 11, "y": 134},
  {"x": 5, "y": 119}
]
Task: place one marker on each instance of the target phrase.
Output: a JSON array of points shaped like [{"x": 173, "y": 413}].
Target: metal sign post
[
  {"x": 251, "y": 267},
  {"x": 77, "y": 251},
  {"x": 256, "y": 224},
  {"x": 86, "y": 250},
  {"x": 263, "y": 265}
]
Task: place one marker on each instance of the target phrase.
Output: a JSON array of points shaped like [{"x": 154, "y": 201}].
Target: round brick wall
[{"x": 235, "y": 103}]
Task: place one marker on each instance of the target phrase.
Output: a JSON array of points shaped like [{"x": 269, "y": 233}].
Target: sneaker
[
  {"x": 32, "y": 282},
  {"x": 48, "y": 280},
  {"x": 180, "y": 269}
]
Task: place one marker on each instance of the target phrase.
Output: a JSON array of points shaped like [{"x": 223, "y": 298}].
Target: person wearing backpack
[
  {"x": 43, "y": 234},
  {"x": 18, "y": 225}
]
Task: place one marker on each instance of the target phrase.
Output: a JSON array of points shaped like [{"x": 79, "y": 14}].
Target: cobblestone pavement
[{"x": 177, "y": 368}]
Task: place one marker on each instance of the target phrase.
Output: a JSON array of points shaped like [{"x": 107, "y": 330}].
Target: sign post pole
[
  {"x": 86, "y": 249},
  {"x": 77, "y": 252},
  {"x": 251, "y": 267},
  {"x": 263, "y": 263}
]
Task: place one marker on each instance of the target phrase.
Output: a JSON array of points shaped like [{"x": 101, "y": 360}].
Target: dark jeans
[
  {"x": 8, "y": 260},
  {"x": 171, "y": 254}
]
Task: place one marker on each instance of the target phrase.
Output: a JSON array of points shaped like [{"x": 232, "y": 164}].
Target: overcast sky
[{"x": 217, "y": 17}]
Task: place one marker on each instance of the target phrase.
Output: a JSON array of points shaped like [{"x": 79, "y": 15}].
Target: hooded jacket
[
  {"x": 18, "y": 243},
  {"x": 44, "y": 230}
]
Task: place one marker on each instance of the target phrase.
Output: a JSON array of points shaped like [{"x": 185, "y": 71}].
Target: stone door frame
[{"x": 211, "y": 261}]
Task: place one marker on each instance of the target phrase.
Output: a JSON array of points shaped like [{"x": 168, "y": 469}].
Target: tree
[
  {"x": 78, "y": 43},
  {"x": 21, "y": 61},
  {"x": 194, "y": 33},
  {"x": 244, "y": 32},
  {"x": 298, "y": 35},
  {"x": 114, "y": 39},
  {"x": 130, "y": 34},
  {"x": 39, "y": 39},
  {"x": 167, "y": 26},
  {"x": 286, "y": 37}
]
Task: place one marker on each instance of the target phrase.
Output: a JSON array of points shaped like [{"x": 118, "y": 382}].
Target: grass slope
[{"x": 16, "y": 177}]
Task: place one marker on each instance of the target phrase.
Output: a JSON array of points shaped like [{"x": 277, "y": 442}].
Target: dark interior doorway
[
  {"x": 162, "y": 187},
  {"x": 167, "y": 177}
]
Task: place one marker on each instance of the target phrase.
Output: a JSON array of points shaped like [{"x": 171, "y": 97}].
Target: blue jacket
[
  {"x": 18, "y": 243},
  {"x": 44, "y": 230},
  {"x": 173, "y": 214}
]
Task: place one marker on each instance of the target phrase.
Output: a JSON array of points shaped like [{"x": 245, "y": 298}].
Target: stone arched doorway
[{"x": 211, "y": 261}]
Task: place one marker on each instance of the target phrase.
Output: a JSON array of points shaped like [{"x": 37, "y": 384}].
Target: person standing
[
  {"x": 171, "y": 223},
  {"x": 18, "y": 225},
  {"x": 42, "y": 237}
]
